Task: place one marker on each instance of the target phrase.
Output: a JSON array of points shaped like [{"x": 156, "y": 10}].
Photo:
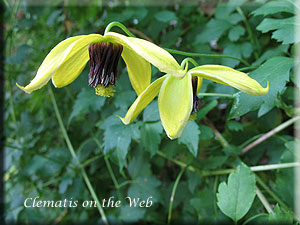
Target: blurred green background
[{"x": 139, "y": 160}]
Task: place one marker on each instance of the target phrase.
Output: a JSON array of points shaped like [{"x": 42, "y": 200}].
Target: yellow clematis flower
[
  {"x": 66, "y": 61},
  {"x": 177, "y": 97}
]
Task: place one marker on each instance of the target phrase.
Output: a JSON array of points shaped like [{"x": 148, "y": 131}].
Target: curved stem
[
  {"x": 186, "y": 60},
  {"x": 254, "y": 217},
  {"x": 173, "y": 51},
  {"x": 120, "y": 25},
  {"x": 72, "y": 151},
  {"x": 173, "y": 194}
]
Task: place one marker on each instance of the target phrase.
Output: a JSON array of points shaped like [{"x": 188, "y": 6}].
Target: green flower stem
[
  {"x": 90, "y": 160},
  {"x": 173, "y": 51},
  {"x": 215, "y": 95},
  {"x": 252, "y": 38},
  {"x": 120, "y": 25},
  {"x": 270, "y": 133},
  {"x": 186, "y": 60},
  {"x": 271, "y": 193},
  {"x": 173, "y": 194},
  {"x": 71, "y": 149},
  {"x": 264, "y": 201}
]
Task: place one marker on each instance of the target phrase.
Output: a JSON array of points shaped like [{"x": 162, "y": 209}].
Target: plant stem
[
  {"x": 252, "y": 38},
  {"x": 264, "y": 201},
  {"x": 186, "y": 60},
  {"x": 173, "y": 194},
  {"x": 270, "y": 133},
  {"x": 71, "y": 149},
  {"x": 191, "y": 54},
  {"x": 227, "y": 171},
  {"x": 216, "y": 95},
  {"x": 271, "y": 193},
  {"x": 120, "y": 25},
  {"x": 173, "y": 51}
]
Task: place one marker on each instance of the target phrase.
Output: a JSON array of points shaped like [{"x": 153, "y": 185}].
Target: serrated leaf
[
  {"x": 150, "y": 137},
  {"x": 165, "y": 16},
  {"x": 131, "y": 214},
  {"x": 213, "y": 30},
  {"x": 151, "y": 112},
  {"x": 118, "y": 137},
  {"x": 284, "y": 29},
  {"x": 271, "y": 52},
  {"x": 235, "y": 33},
  {"x": 279, "y": 216},
  {"x": 145, "y": 187},
  {"x": 190, "y": 137},
  {"x": 237, "y": 50},
  {"x": 86, "y": 101},
  {"x": 236, "y": 196},
  {"x": 276, "y": 70},
  {"x": 273, "y": 7}
]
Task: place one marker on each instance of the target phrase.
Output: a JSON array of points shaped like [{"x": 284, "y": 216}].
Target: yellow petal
[
  {"x": 143, "y": 100},
  {"x": 199, "y": 85},
  {"x": 157, "y": 56},
  {"x": 228, "y": 76},
  {"x": 71, "y": 65},
  {"x": 139, "y": 70},
  {"x": 53, "y": 64},
  {"x": 175, "y": 102}
]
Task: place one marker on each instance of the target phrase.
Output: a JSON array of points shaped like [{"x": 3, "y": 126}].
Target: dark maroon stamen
[
  {"x": 104, "y": 58},
  {"x": 196, "y": 100}
]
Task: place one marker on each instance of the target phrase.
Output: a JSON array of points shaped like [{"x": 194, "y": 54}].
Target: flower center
[
  {"x": 104, "y": 58},
  {"x": 196, "y": 100}
]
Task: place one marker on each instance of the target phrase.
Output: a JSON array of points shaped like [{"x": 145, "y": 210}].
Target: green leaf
[
  {"x": 190, "y": 137},
  {"x": 86, "y": 101},
  {"x": 165, "y": 16},
  {"x": 273, "y": 7},
  {"x": 131, "y": 214},
  {"x": 236, "y": 197},
  {"x": 280, "y": 216},
  {"x": 150, "y": 136},
  {"x": 271, "y": 52},
  {"x": 284, "y": 29},
  {"x": 234, "y": 126},
  {"x": 213, "y": 30},
  {"x": 205, "y": 132},
  {"x": 235, "y": 33},
  {"x": 276, "y": 70},
  {"x": 151, "y": 112},
  {"x": 118, "y": 137},
  {"x": 145, "y": 187},
  {"x": 237, "y": 50}
]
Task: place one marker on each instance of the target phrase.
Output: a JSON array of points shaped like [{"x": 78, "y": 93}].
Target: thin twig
[
  {"x": 264, "y": 201},
  {"x": 72, "y": 151},
  {"x": 270, "y": 133},
  {"x": 173, "y": 194}
]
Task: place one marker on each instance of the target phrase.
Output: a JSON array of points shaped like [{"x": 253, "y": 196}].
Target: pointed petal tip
[
  {"x": 23, "y": 88},
  {"x": 123, "y": 119}
]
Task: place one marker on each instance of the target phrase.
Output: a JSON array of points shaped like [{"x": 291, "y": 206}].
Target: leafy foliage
[{"x": 139, "y": 160}]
